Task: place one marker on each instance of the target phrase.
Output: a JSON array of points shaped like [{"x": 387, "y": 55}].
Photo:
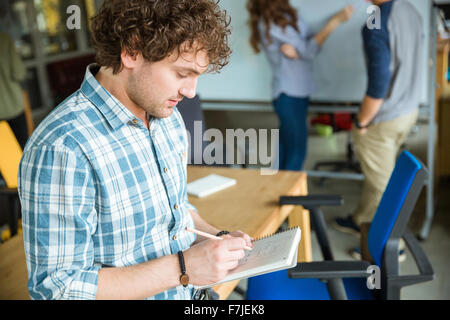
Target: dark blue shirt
[{"x": 378, "y": 55}]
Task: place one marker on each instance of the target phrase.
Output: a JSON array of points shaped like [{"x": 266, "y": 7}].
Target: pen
[{"x": 210, "y": 236}]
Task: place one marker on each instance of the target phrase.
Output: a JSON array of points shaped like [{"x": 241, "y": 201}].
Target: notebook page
[{"x": 269, "y": 254}]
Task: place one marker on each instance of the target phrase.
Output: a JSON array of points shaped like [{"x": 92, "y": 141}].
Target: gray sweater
[{"x": 406, "y": 42}]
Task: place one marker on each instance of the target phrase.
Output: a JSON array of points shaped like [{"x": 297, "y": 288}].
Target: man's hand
[
  {"x": 209, "y": 261},
  {"x": 243, "y": 235},
  {"x": 360, "y": 131},
  {"x": 369, "y": 108},
  {"x": 361, "y": 122}
]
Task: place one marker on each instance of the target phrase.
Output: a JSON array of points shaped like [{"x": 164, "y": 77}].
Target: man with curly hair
[{"x": 102, "y": 180}]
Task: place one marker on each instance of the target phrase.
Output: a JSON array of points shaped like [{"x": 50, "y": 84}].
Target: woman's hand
[
  {"x": 340, "y": 17},
  {"x": 345, "y": 14},
  {"x": 289, "y": 51}
]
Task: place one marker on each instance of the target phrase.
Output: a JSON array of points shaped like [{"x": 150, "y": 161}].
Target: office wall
[{"x": 339, "y": 69}]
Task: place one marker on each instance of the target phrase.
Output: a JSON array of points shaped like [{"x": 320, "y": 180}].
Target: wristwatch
[
  {"x": 184, "y": 278},
  {"x": 221, "y": 233},
  {"x": 358, "y": 124}
]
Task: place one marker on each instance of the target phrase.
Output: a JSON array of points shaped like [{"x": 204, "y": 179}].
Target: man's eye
[{"x": 181, "y": 75}]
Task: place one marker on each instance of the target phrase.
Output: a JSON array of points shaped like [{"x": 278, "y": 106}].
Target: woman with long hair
[{"x": 290, "y": 48}]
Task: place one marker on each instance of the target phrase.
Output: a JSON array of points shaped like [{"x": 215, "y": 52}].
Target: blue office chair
[{"x": 332, "y": 279}]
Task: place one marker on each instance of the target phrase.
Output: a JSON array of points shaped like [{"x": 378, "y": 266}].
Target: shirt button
[
  {"x": 175, "y": 207},
  {"x": 165, "y": 170},
  {"x": 174, "y": 237},
  {"x": 135, "y": 121}
]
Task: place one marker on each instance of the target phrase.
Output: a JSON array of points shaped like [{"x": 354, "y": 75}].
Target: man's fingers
[
  {"x": 234, "y": 243},
  {"x": 248, "y": 240},
  {"x": 236, "y": 254},
  {"x": 230, "y": 265},
  {"x": 243, "y": 235}
]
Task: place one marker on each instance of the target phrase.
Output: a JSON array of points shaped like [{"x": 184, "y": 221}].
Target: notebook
[
  {"x": 208, "y": 185},
  {"x": 269, "y": 254}
]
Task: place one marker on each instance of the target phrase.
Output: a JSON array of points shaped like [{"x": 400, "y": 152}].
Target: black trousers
[{"x": 20, "y": 129}]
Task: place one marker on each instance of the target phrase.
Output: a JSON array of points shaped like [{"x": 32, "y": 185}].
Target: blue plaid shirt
[{"x": 99, "y": 189}]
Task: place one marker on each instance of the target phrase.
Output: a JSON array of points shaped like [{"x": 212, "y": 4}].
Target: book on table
[{"x": 208, "y": 185}]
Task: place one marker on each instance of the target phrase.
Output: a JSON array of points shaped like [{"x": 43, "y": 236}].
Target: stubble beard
[{"x": 145, "y": 98}]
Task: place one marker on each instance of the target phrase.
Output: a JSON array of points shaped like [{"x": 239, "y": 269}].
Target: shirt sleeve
[
  {"x": 57, "y": 194},
  {"x": 188, "y": 205},
  {"x": 307, "y": 48},
  {"x": 378, "y": 55}
]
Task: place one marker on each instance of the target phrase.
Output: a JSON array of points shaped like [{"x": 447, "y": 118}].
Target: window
[
  {"x": 40, "y": 33},
  {"x": 54, "y": 35},
  {"x": 14, "y": 21}
]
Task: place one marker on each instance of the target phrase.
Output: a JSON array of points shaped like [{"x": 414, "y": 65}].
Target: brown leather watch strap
[{"x": 184, "y": 278}]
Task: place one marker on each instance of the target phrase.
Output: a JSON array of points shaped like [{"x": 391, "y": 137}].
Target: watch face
[{"x": 184, "y": 279}]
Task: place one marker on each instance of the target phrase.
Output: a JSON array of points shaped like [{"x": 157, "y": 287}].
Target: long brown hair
[{"x": 279, "y": 12}]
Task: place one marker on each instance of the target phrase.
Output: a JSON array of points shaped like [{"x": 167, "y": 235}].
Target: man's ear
[{"x": 130, "y": 59}]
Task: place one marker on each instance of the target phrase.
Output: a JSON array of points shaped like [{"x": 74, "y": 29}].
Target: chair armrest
[
  {"x": 330, "y": 270},
  {"x": 312, "y": 200},
  {"x": 313, "y": 204},
  {"x": 422, "y": 262}
]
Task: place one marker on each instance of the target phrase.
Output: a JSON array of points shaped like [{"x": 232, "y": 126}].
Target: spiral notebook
[{"x": 269, "y": 254}]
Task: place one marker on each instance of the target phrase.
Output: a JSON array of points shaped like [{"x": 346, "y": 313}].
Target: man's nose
[{"x": 189, "y": 90}]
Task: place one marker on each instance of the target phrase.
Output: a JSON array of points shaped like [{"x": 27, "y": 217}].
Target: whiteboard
[{"x": 339, "y": 69}]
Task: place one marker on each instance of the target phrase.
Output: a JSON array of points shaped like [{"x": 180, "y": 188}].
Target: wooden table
[
  {"x": 252, "y": 205},
  {"x": 13, "y": 270}
]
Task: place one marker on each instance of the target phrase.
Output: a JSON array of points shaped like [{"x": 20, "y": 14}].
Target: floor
[{"x": 437, "y": 245}]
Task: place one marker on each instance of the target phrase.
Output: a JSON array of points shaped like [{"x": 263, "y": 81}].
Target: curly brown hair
[
  {"x": 279, "y": 12},
  {"x": 156, "y": 28}
]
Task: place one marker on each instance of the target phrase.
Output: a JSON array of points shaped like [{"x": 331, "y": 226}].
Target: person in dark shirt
[{"x": 389, "y": 110}]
